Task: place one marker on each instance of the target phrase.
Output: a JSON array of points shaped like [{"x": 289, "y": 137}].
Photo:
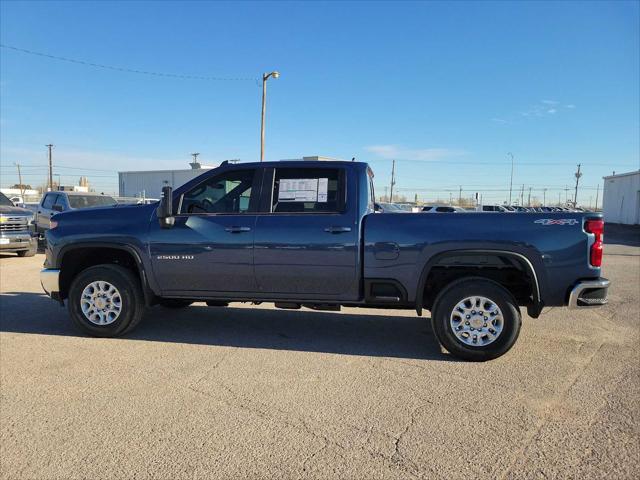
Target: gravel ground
[{"x": 255, "y": 392}]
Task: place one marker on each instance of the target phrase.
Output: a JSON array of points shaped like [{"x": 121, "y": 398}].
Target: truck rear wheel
[
  {"x": 106, "y": 301},
  {"x": 476, "y": 319}
]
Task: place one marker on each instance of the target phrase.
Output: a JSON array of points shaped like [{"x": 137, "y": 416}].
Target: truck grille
[{"x": 14, "y": 225}]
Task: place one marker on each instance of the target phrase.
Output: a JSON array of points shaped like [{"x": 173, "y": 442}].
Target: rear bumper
[
  {"x": 589, "y": 293},
  {"x": 50, "y": 281}
]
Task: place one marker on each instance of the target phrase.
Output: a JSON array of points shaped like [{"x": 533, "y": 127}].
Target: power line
[{"x": 124, "y": 69}]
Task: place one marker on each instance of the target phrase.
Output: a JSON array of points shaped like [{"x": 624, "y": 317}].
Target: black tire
[
  {"x": 28, "y": 253},
  {"x": 448, "y": 300},
  {"x": 131, "y": 300},
  {"x": 174, "y": 303}
]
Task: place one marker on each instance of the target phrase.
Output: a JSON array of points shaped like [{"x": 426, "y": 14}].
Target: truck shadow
[{"x": 400, "y": 335}]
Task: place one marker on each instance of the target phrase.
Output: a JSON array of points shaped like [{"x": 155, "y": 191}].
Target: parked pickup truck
[
  {"x": 63, "y": 201},
  {"x": 305, "y": 234},
  {"x": 17, "y": 229}
]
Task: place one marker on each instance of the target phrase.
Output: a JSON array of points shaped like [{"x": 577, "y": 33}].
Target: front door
[
  {"x": 45, "y": 211},
  {"x": 306, "y": 241},
  {"x": 210, "y": 248}
]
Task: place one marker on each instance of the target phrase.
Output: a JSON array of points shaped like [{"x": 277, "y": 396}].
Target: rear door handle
[
  {"x": 337, "y": 229},
  {"x": 236, "y": 229}
]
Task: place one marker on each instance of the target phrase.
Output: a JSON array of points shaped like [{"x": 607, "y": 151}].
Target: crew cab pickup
[{"x": 306, "y": 234}]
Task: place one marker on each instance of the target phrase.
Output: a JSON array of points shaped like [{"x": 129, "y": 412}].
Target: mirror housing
[{"x": 165, "y": 209}]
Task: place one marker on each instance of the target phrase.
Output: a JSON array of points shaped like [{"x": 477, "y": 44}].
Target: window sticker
[
  {"x": 303, "y": 190},
  {"x": 323, "y": 186}
]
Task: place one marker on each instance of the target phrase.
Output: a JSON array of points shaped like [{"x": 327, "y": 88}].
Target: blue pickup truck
[{"x": 306, "y": 234}]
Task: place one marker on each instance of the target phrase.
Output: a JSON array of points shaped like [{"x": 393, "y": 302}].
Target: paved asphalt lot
[{"x": 254, "y": 392}]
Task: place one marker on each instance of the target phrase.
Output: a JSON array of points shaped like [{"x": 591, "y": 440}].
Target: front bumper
[
  {"x": 50, "y": 281},
  {"x": 589, "y": 293},
  {"x": 13, "y": 242}
]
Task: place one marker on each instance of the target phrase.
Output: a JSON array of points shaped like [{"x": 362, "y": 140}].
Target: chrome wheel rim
[
  {"x": 101, "y": 303},
  {"x": 476, "y": 321}
]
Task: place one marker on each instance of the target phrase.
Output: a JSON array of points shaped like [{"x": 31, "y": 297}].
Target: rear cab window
[{"x": 308, "y": 190}]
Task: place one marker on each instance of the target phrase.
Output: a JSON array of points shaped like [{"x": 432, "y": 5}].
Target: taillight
[{"x": 595, "y": 227}]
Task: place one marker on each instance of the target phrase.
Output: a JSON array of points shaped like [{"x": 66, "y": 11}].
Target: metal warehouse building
[
  {"x": 149, "y": 183},
  {"x": 621, "y": 198}
]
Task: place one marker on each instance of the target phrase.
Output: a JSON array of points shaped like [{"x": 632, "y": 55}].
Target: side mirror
[
  {"x": 377, "y": 207},
  {"x": 57, "y": 208},
  {"x": 165, "y": 209}
]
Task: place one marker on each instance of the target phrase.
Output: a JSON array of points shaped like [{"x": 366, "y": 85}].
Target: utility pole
[
  {"x": 450, "y": 198},
  {"x": 559, "y": 198},
  {"x": 522, "y": 196},
  {"x": 460, "y": 196},
  {"x": 575, "y": 197},
  {"x": 597, "y": 194},
  {"x": 544, "y": 197},
  {"x": 50, "y": 146},
  {"x": 529, "y": 199},
  {"x": 393, "y": 180},
  {"x": 511, "y": 181},
  {"x": 20, "y": 180}
]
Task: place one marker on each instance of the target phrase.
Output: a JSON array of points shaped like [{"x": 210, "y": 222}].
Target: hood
[{"x": 14, "y": 211}]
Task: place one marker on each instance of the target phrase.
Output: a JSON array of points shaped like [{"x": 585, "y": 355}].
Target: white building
[
  {"x": 621, "y": 198},
  {"x": 149, "y": 183}
]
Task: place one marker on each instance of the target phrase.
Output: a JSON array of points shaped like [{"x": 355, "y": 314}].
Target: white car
[{"x": 442, "y": 209}]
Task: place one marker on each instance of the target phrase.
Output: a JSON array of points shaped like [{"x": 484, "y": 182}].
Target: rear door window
[{"x": 308, "y": 190}]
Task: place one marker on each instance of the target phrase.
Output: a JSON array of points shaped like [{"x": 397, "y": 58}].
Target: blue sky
[{"x": 446, "y": 89}]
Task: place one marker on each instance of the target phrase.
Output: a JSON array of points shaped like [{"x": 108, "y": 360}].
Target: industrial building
[
  {"x": 621, "y": 198},
  {"x": 149, "y": 183}
]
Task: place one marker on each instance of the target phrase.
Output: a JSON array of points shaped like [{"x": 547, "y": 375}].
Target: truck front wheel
[
  {"x": 476, "y": 319},
  {"x": 106, "y": 301}
]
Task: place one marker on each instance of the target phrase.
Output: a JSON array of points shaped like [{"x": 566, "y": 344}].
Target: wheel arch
[
  {"x": 524, "y": 262},
  {"x": 77, "y": 257}
]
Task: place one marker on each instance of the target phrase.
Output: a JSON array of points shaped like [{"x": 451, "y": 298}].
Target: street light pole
[
  {"x": 511, "y": 181},
  {"x": 265, "y": 77}
]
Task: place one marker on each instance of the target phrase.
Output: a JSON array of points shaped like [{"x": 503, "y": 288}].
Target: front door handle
[
  {"x": 337, "y": 229},
  {"x": 236, "y": 229}
]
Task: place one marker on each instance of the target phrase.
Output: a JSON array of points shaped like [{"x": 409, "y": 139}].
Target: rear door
[{"x": 306, "y": 234}]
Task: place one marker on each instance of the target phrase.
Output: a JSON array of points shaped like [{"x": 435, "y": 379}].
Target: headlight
[
  {"x": 53, "y": 224},
  {"x": 30, "y": 219}
]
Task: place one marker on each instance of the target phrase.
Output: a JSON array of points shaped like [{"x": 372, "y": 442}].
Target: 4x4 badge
[{"x": 557, "y": 221}]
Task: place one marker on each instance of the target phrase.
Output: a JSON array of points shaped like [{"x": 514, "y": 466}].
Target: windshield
[
  {"x": 88, "y": 201},
  {"x": 4, "y": 201}
]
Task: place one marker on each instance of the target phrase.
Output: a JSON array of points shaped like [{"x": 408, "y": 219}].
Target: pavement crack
[{"x": 540, "y": 424}]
